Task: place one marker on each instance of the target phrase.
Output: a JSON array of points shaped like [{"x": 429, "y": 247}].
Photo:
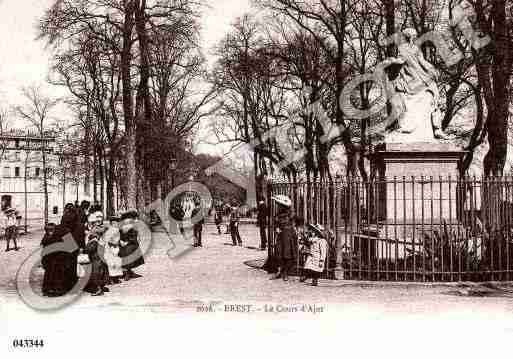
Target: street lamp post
[{"x": 25, "y": 180}]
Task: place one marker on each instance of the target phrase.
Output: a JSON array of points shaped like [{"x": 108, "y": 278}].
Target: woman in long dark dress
[
  {"x": 130, "y": 252},
  {"x": 286, "y": 244},
  {"x": 54, "y": 279},
  {"x": 71, "y": 221}
]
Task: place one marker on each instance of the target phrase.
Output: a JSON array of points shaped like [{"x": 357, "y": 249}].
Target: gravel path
[{"x": 217, "y": 274}]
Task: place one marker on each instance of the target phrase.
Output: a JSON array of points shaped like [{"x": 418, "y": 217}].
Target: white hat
[
  {"x": 317, "y": 228},
  {"x": 410, "y": 32},
  {"x": 282, "y": 199},
  {"x": 112, "y": 235},
  {"x": 95, "y": 216}
]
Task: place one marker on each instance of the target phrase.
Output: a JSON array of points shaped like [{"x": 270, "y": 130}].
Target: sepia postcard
[{"x": 249, "y": 178}]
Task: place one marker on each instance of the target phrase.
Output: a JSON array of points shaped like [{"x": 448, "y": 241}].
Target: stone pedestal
[{"x": 417, "y": 182}]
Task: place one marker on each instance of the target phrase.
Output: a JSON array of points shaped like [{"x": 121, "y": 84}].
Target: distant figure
[
  {"x": 234, "y": 227},
  {"x": 262, "y": 218},
  {"x": 11, "y": 228},
  {"x": 218, "y": 219},
  {"x": 198, "y": 225}
]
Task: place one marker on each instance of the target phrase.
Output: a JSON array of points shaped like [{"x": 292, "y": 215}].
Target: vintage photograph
[{"x": 313, "y": 177}]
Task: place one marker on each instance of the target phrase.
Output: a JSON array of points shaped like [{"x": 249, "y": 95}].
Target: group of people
[
  {"x": 297, "y": 245},
  {"x": 85, "y": 244}
]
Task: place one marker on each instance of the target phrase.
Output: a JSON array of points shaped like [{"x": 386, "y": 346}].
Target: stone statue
[{"x": 413, "y": 95}]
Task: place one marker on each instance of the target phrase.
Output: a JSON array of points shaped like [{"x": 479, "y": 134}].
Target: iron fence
[{"x": 409, "y": 229}]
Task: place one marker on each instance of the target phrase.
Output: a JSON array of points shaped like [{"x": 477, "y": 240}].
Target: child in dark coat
[{"x": 129, "y": 251}]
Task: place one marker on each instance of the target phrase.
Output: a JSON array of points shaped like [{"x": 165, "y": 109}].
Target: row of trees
[
  {"x": 268, "y": 60},
  {"x": 137, "y": 79},
  {"x": 133, "y": 68}
]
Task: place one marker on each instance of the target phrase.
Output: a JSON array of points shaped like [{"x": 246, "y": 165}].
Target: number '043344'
[{"x": 28, "y": 343}]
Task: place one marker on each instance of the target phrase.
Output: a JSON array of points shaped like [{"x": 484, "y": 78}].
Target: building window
[
  {"x": 37, "y": 171},
  {"x": 17, "y": 143},
  {"x": 7, "y": 172},
  {"x": 16, "y": 172}
]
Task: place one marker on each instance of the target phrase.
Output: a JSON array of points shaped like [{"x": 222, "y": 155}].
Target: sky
[{"x": 24, "y": 61}]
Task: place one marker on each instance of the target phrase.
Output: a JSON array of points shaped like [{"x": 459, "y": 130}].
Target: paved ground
[
  {"x": 217, "y": 273},
  {"x": 168, "y": 307}
]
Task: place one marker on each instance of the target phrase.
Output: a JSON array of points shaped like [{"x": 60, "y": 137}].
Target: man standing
[
  {"x": 262, "y": 224},
  {"x": 234, "y": 227},
  {"x": 218, "y": 218},
  {"x": 198, "y": 225}
]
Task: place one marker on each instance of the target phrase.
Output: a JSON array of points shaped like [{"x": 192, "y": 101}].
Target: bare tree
[
  {"x": 37, "y": 110},
  {"x": 495, "y": 71},
  {"x": 119, "y": 26},
  {"x": 4, "y": 126},
  {"x": 327, "y": 22}
]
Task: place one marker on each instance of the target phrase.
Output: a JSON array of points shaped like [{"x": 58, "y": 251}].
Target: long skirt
[
  {"x": 131, "y": 256},
  {"x": 286, "y": 244},
  {"x": 99, "y": 276},
  {"x": 54, "y": 279}
]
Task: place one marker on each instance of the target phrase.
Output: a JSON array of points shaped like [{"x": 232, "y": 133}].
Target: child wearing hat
[
  {"x": 11, "y": 228},
  {"x": 111, "y": 239},
  {"x": 318, "y": 250},
  {"x": 95, "y": 249}
]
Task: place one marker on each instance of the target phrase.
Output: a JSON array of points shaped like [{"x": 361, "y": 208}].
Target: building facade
[{"x": 21, "y": 176}]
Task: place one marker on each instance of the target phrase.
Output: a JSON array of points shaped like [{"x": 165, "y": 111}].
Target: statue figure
[{"x": 413, "y": 94}]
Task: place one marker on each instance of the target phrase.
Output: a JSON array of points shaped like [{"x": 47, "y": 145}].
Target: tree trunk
[
  {"x": 101, "y": 170},
  {"x": 130, "y": 123},
  {"x": 63, "y": 188},
  {"x": 95, "y": 176},
  {"x": 495, "y": 78},
  {"x": 143, "y": 101},
  {"x": 110, "y": 186},
  {"x": 25, "y": 189},
  {"x": 390, "y": 24},
  {"x": 87, "y": 159},
  {"x": 45, "y": 175}
]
